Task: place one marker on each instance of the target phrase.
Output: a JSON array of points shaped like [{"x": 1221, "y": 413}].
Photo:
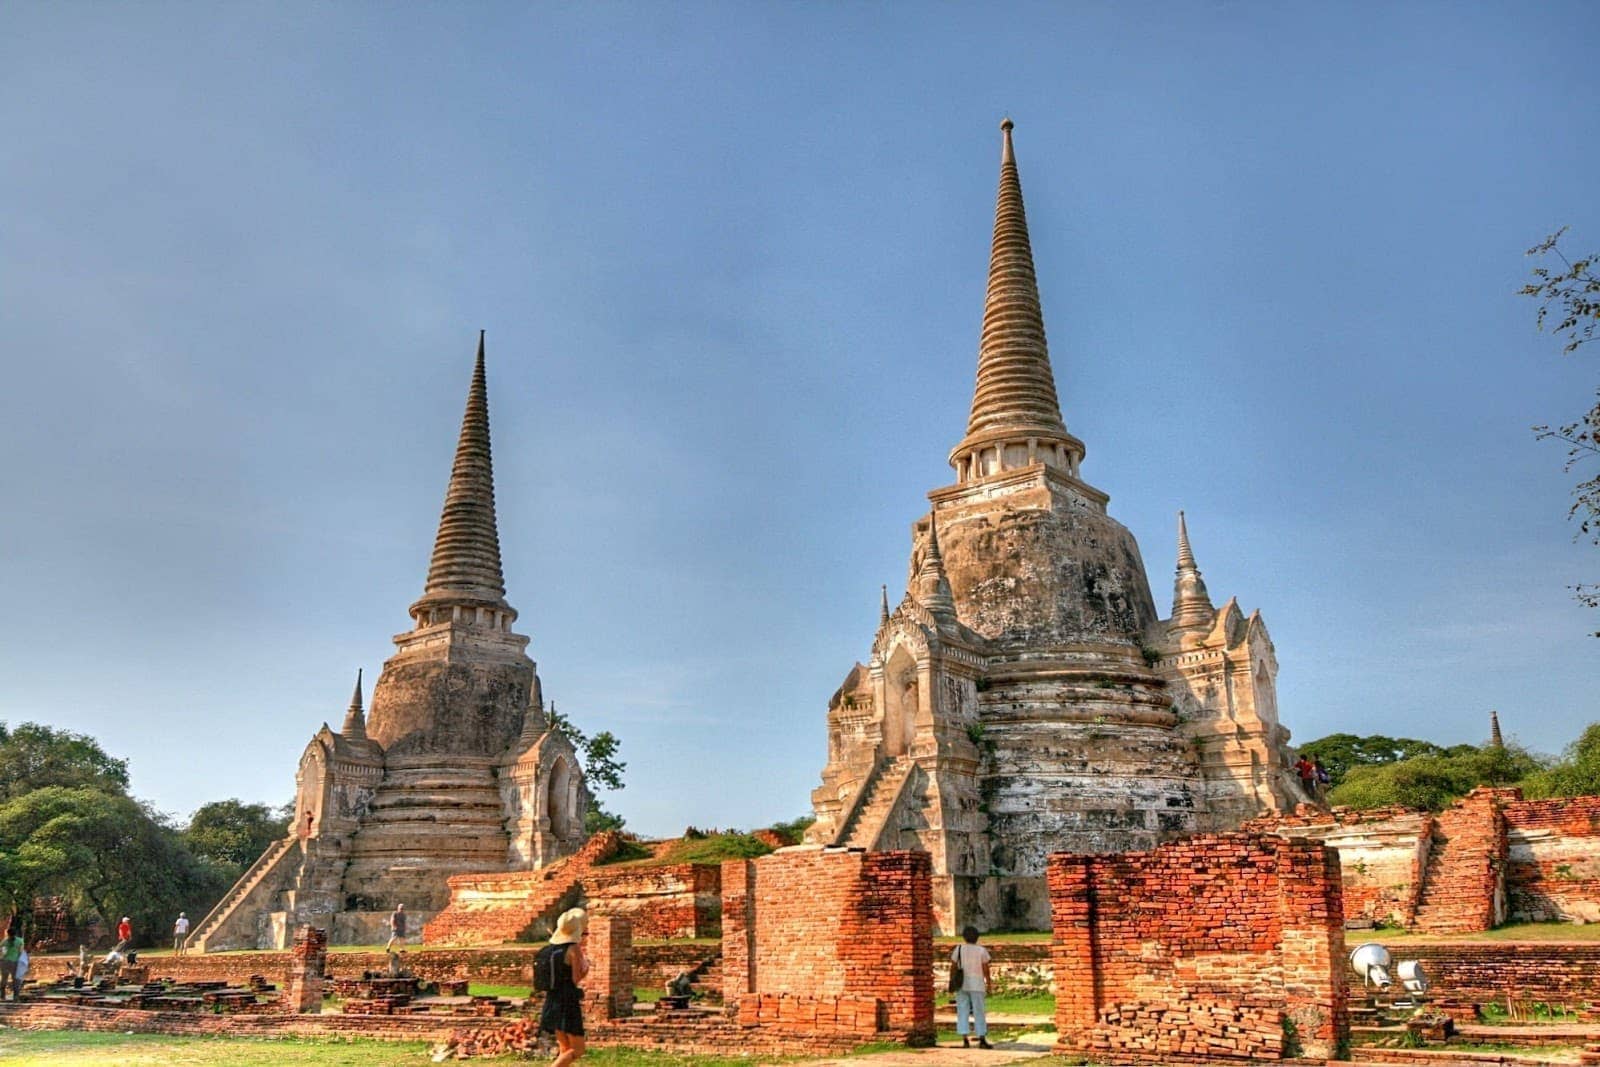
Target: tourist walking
[
  {"x": 563, "y": 1004},
  {"x": 973, "y": 959},
  {"x": 180, "y": 933},
  {"x": 10, "y": 957},
  {"x": 124, "y": 933},
  {"x": 397, "y": 927}
]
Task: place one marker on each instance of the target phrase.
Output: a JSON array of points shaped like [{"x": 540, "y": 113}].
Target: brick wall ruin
[
  {"x": 830, "y": 931},
  {"x": 1553, "y": 863},
  {"x": 1489, "y": 858},
  {"x": 1221, "y": 946},
  {"x": 303, "y": 985},
  {"x": 672, "y": 901},
  {"x": 608, "y": 989}
]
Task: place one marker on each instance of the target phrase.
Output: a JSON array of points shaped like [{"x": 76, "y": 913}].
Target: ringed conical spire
[
  {"x": 1191, "y": 602},
  {"x": 1496, "y": 740},
  {"x": 1014, "y": 400},
  {"x": 933, "y": 584},
  {"x": 465, "y": 567},
  {"x": 355, "y": 720}
]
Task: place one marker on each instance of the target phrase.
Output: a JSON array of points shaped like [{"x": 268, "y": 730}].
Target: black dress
[{"x": 563, "y": 1005}]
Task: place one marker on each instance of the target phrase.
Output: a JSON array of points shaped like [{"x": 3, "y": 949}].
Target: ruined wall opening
[
  {"x": 561, "y": 800},
  {"x": 900, "y": 704}
]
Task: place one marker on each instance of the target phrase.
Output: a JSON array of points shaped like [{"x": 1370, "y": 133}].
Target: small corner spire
[
  {"x": 355, "y": 719},
  {"x": 1495, "y": 738},
  {"x": 883, "y": 604},
  {"x": 1191, "y": 602},
  {"x": 933, "y": 585}
]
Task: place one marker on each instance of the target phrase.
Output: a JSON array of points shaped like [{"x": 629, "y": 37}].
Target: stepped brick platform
[
  {"x": 662, "y": 901},
  {"x": 516, "y": 905}
]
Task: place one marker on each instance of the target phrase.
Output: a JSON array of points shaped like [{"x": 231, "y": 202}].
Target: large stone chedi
[
  {"x": 1025, "y": 697},
  {"x": 456, "y": 769}
]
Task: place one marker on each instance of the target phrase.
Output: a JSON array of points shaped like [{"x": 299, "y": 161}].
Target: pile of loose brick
[{"x": 487, "y": 908}]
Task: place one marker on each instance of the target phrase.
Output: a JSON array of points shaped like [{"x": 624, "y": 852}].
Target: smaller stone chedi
[
  {"x": 1025, "y": 697},
  {"x": 458, "y": 768}
]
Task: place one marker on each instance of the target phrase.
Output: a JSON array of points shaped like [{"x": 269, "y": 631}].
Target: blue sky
[{"x": 731, "y": 261}]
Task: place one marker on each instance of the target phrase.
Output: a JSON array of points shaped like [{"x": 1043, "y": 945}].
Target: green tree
[
  {"x": 34, "y": 757},
  {"x": 1434, "y": 780},
  {"x": 105, "y": 853},
  {"x": 1577, "y": 773},
  {"x": 1339, "y": 754},
  {"x": 231, "y": 833},
  {"x": 601, "y": 767},
  {"x": 1571, "y": 291}
]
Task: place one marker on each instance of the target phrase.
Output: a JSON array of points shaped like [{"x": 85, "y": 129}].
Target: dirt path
[{"x": 1029, "y": 1046}]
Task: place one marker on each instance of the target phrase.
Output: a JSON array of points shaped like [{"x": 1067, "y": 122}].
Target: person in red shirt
[{"x": 124, "y": 933}]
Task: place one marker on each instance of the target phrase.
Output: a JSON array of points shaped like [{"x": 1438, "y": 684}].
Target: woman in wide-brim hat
[{"x": 563, "y": 1005}]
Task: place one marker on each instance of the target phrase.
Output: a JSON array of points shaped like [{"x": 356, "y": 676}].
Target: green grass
[
  {"x": 64, "y": 1048},
  {"x": 1009, "y": 937},
  {"x": 1011, "y": 1003},
  {"x": 61, "y": 1048},
  {"x": 1509, "y": 932},
  {"x": 484, "y": 989}
]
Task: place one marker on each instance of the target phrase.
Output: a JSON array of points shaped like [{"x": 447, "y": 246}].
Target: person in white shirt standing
[
  {"x": 973, "y": 959},
  {"x": 180, "y": 933}
]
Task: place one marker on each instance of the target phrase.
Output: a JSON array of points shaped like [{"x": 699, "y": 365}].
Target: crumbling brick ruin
[
  {"x": 1490, "y": 858},
  {"x": 1227, "y": 946},
  {"x": 811, "y": 939},
  {"x": 302, "y": 993},
  {"x": 458, "y": 769},
  {"x": 1025, "y": 697}
]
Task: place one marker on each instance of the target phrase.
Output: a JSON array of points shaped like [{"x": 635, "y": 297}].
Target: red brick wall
[
  {"x": 1382, "y": 852},
  {"x": 832, "y": 925},
  {"x": 1553, "y": 865},
  {"x": 679, "y": 900},
  {"x": 1201, "y": 948}
]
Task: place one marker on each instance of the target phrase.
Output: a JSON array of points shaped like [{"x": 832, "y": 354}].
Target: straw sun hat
[{"x": 569, "y": 928}]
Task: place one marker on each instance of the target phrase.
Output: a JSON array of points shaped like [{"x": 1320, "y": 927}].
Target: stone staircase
[
  {"x": 1462, "y": 882},
  {"x": 515, "y": 905},
  {"x": 261, "y": 880},
  {"x": 866, "y": 822}
]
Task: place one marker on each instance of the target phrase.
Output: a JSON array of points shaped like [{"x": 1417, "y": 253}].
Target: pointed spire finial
[
  {"x": 883, "y": 604},
  {"x": 1495, "y": 740},
  {"x": 465, "y": 568},
  {"x": 355, "y": 720},
  {"x": 1185, "y": 553},
  {"x": 1015, "y": 396},
  {"x": 1191, "y": 602}
]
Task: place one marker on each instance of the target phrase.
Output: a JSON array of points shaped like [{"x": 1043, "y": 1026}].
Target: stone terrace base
[{"x": 1218, "y": 947}]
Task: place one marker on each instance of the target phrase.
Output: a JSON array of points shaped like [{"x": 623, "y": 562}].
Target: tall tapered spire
[
  {"x": 355, "y": 720},
  {"x": 465, "y": 569},
  {"x": 1015, "y": 398},
  {"x": 883, "y": 604},
  {"x": 1495, "y": 738},
  {"x": 1191, "y": 603}
]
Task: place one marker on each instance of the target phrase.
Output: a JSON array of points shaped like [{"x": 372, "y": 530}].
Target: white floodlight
[
  {"x": 1371, "y": 961},
  {"x": 1411, "y": 976}
]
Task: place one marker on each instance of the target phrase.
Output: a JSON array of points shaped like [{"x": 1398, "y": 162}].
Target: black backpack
[{"x": 544, "y": 967}]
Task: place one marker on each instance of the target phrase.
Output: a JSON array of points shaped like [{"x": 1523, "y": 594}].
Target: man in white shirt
[
  {"x": 973, "y": 959},
  {"x": 180, "y": 933}
]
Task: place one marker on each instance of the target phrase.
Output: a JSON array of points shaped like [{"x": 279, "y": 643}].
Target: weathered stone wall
[
  {"x": 678, "y": 900},
  {"x": 1482, "y": 972},
  {"x": 810, "y": 923},
  {"x": 1223, "y": 946},
  {"x": 1553, "y": 861}
]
